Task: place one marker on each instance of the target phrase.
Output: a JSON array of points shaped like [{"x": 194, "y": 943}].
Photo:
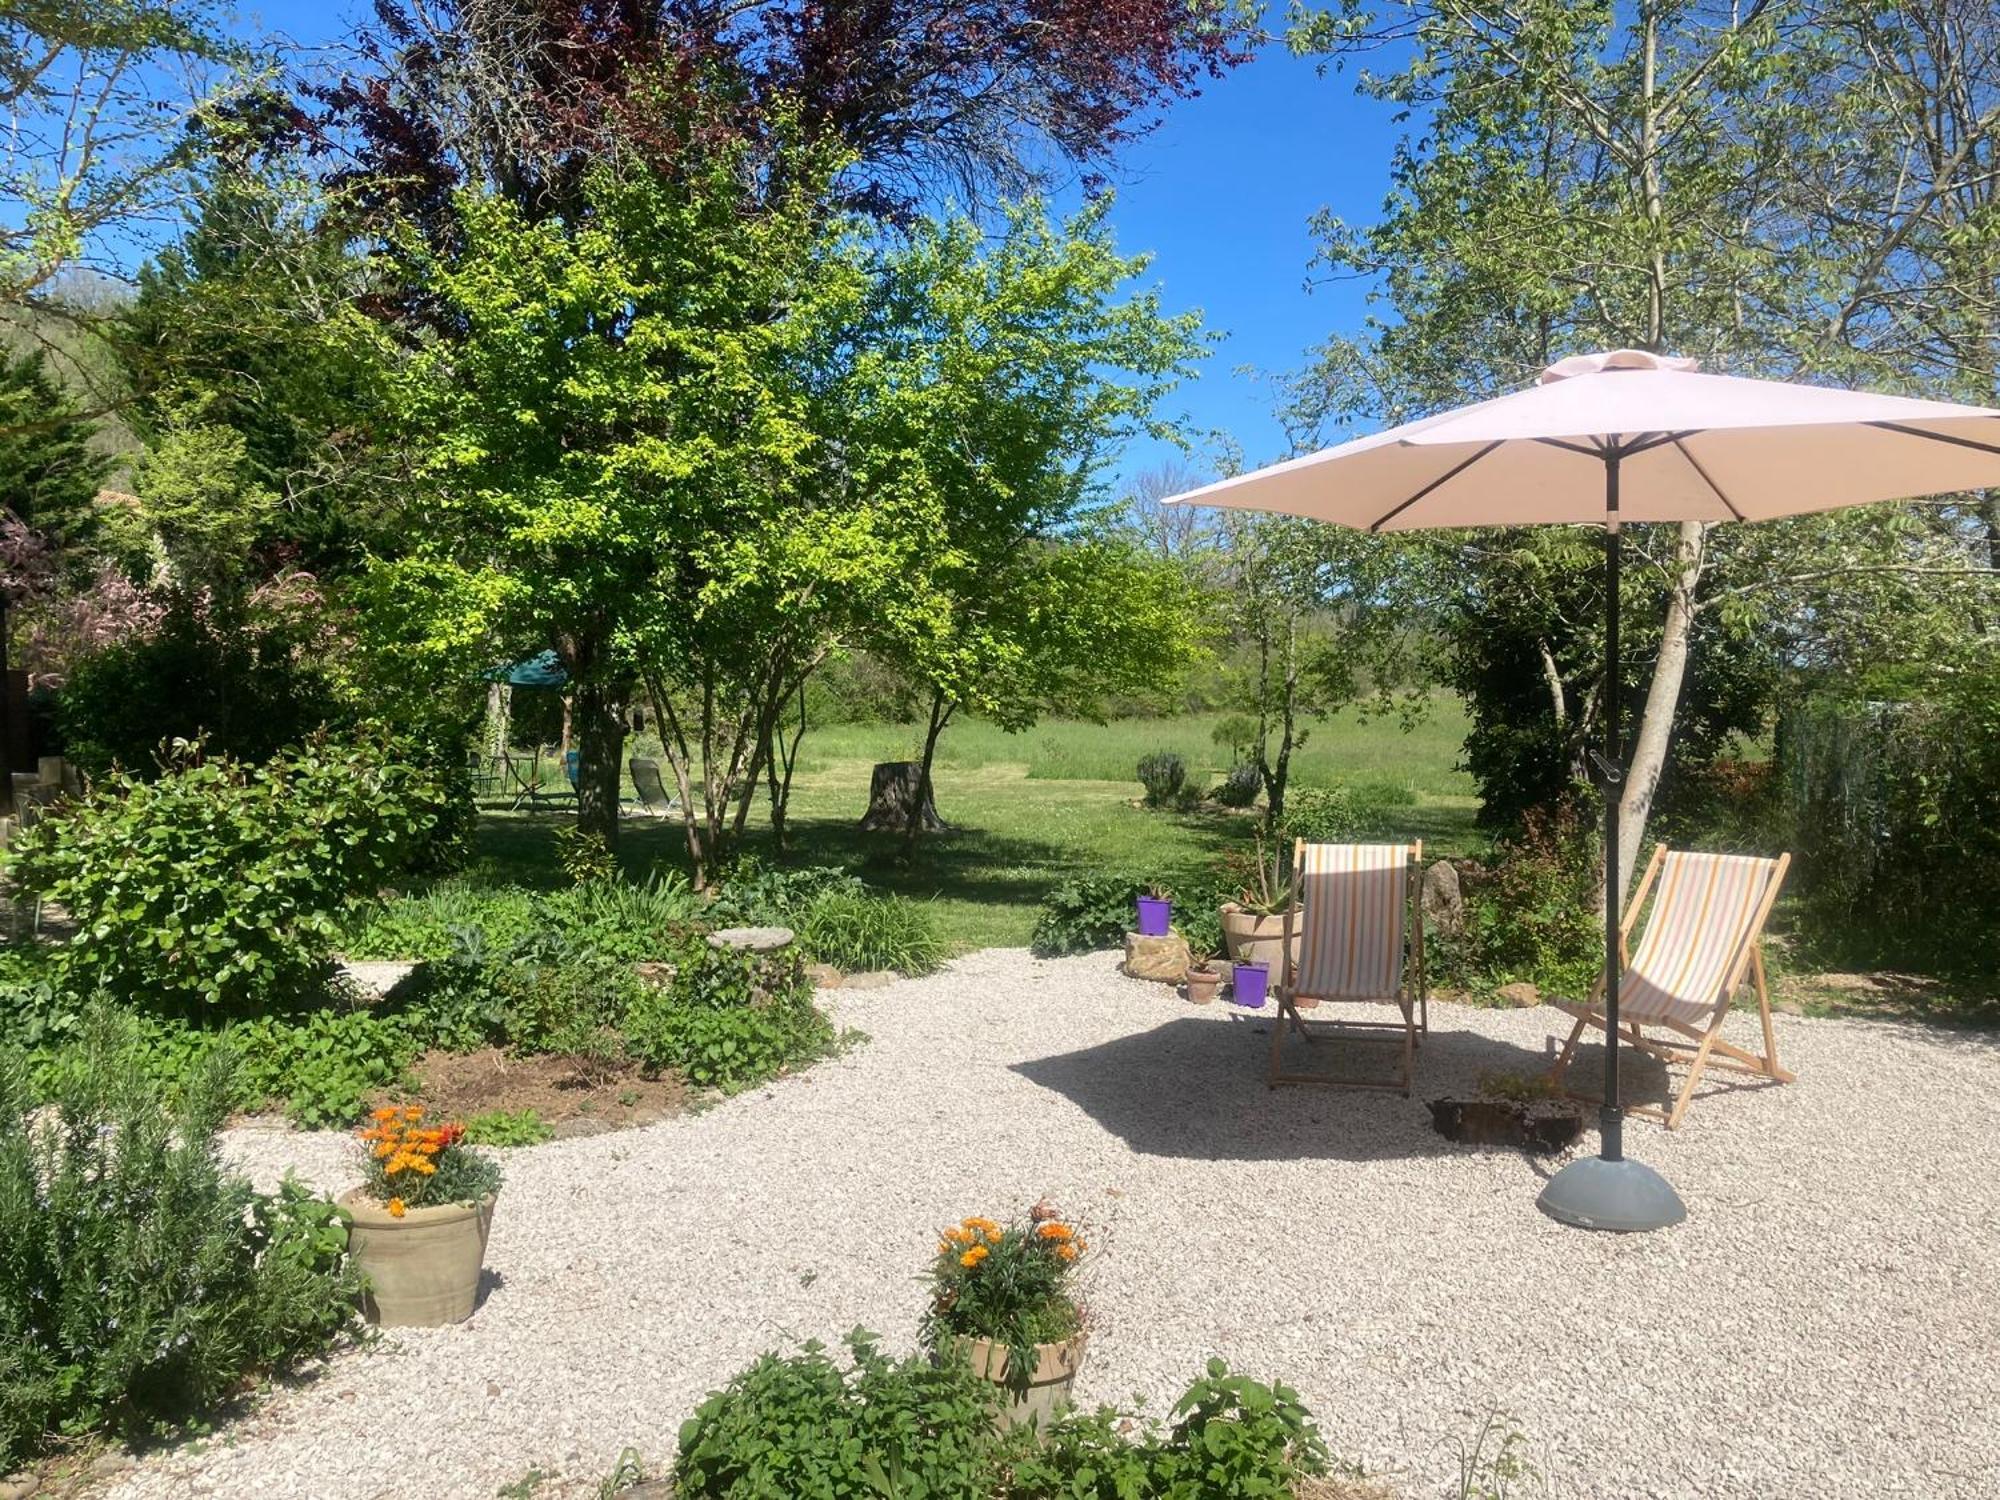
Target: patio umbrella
[
  {"x": 1601, "y": 439},
  {"x": 543, "y": 671}
]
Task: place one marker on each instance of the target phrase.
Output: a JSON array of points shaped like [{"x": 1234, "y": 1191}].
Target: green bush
[
  {"x": 855, "y": 931},
  {"x": 800, "y": 1425},
  {"x": 1082, "y": 916},
  {"x": 1534, "y": 917},
  {"x": 243, "y": 687},
  {"x": 754, "y": 894},
  {"x": 323, "y": 1068},
  {"x": 217, "y": 888},
  {"x": 1230, "y": 1436},
  {"x": 729, "y": 1019},
  {"x": 1240, "y": 787},
  {"x": 1321, "y": 815},
  {"x": 139, "y": 1283},
  {"x": 1162, "y": 774},
  {"x": 508, "y": 1127},
  {"x": 617, "y": 918}
]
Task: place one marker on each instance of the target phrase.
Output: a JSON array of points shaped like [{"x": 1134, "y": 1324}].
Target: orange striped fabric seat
[
  {"x": 1703, "y": 911},
  {"x": 1354, "y": 899}
]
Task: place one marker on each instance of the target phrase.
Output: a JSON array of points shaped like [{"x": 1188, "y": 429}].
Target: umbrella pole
[
  {"x": 1607, "y": 1191},
  {"x": 1611, "y": 1119}
]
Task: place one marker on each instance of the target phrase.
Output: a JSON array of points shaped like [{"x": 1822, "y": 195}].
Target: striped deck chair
[
  {"x": 1360, "y": 939},
  {"x": 1706, "y": 928}
]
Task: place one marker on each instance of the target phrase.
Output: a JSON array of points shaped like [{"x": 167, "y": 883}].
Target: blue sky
[{"x": 1220, "y": 195}]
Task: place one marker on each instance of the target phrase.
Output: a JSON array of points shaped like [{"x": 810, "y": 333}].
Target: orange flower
[
  {"x": 1055, "y": 1231},
  {"x": 386, "y": 1112},
  {"x": 412, "y": 1113},
  {"x": 396, "y": 1209},
  {"x": 973, "y": 1257},
  {"x": 1066, "y": 1252}
]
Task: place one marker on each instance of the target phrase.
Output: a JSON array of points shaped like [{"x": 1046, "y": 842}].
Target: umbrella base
[{"x": 1624, "y": 1197}]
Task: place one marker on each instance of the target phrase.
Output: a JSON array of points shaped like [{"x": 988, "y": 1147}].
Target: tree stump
[{"x": 897, "y": 799}]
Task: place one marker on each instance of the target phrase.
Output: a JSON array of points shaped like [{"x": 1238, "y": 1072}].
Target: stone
[
  {"x": 18, "y": 1486},
  {"x": 1443, "y": 900},
  {"x": 1788, "y": 1008},
  {"x": 823, "y": 976},
  {"x": 1521, "y": 995},
  {"x": 752, "y": 939},
  {"x": 652, "y": 971},
  {"x": 869, "y": 979},
  {"x": 110, "y": 1461},
  {"x": 1162, "y": 959},
  {"x": 377, "y": 976}
]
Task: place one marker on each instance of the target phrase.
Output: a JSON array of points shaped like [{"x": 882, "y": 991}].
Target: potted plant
[
  {"x": 1202, "y": 978},
  {"x": 1251, "y": 981},
  {"x": 1156, "y": 911},
  {"x": 1001, "y": 1297},
  {"x": 420, "y": 1220}
]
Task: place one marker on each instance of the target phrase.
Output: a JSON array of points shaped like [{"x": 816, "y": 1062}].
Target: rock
[
  {"x": 652, "y": 971},
  {"x": 823, "y": 976},
  {"x": 110, "y": 1461},
  {"x": 18, "y": 1486},
  {"x": 1163, "y": 959},
  {"x": 1443, "y": 900},
  {"x": 378, "y": 977},
  {"x": 869, "y": 979},
  {"x": 752, "y": 939},
  {"x": 576, "y": 1127},
  {"x": 1521, "y": 995}
]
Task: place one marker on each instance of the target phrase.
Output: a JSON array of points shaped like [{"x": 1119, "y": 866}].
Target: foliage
[
  {"x": 800, "y": 1425},
  {"x": 409, "y": 1164},
  {"x": 48, "y": 473},
  {"x": 218, "y": 887},
  {"x": 507, "y": 1127},
  {"x": 1082, "y": 916},
  {"x": 1162, "y": 774},
  {"x": 1230, "y": 1436},
  {"x": 1012, "y": 1285},
  {"x": 141, "y": 1284},
  {"x": 1239, "y": 788},
  {"x": 240, "y": 685},
  {"x": 1322, "y": 815},
  {"x": 584, "y": 858},
  {"x": 755, "y": 894},
  {"x": 854, "y": 931},
  {"x": 729, "y": 1019},
  {"x": 1535, "y": 918},
  {"x": 323, "y": 1066},
  {"x": 1892, "y": 811},
  {"x": 617, "y": 918},
  {"x": 200, "y": 498}
]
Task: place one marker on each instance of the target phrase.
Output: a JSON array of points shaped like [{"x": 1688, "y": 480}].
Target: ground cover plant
[{"x": 141, "y": 1283}]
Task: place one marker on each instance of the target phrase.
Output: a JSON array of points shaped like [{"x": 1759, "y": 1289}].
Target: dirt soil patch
[{"x": 576, "y": 1095}]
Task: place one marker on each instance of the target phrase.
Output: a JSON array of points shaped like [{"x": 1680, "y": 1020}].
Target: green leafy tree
[{"x": 48, "y": 472}]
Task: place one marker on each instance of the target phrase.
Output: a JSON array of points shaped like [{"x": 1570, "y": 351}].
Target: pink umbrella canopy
[{"x": 1691, "y": 447}]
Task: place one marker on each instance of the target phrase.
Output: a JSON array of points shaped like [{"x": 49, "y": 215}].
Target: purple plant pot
[
  {"x": 1155, "y": 912},
  {"x": 1251, "y": 981}
]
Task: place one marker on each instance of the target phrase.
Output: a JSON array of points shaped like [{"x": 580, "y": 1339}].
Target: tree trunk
[
  {"x": 899, "y": 800},
  {"x": 674, "y": 745},
  {"x": 600, "y": 746},
  {"x": 778, "y": 765},
  {"x": 1663, "y": 696}
]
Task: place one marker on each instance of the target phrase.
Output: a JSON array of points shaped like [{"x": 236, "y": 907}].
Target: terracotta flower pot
[
  {"x": 1202, "y": 984},
  {"x": 1048, "y": 1388},
  {"x": 422, "y": 1269},
  {"x": 1259, "y": 938}
]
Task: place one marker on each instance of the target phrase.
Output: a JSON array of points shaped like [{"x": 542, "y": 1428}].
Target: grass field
[{"x": 1033, "y": 809}]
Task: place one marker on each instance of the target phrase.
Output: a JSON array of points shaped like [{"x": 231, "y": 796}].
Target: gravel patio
[{"x": 1824, "y": 1324}]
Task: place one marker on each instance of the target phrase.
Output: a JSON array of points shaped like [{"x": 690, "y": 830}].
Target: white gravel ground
[{"x": 1824, "y": 1325}]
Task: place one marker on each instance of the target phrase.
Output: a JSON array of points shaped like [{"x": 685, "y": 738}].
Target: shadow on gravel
[{"x": 1193, "y": 1089}]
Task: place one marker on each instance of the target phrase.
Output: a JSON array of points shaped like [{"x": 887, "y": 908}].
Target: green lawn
[{"x": 1032, "y": 809}]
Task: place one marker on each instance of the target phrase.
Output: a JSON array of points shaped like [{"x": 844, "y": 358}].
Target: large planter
[
  {"x": 1048, "y": 1388},
  {"x": 1259, "y": 938},
  {"x": 422, "y": 1269},
  {"x": 1155, "y": 915}
]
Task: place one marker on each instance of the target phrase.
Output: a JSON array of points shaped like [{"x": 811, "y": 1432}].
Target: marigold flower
[
  {"x": 973, "y": 1257},
  {"x": 386, "y": 1112},
  {"x": 1055, "y": 1231},
  {"x": 1066, "y": 1252},
  {"x": 411, "y": 1112},
  {"x": 396, "y": 1209}
]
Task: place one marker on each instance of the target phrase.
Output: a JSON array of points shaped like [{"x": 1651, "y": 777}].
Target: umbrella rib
[
  {"x": 1695, "y": 464},
  {"x": 1936, "y": 437},
  {"x": 1442, "y": 479},
  {"x": 1569, "y": 447}
]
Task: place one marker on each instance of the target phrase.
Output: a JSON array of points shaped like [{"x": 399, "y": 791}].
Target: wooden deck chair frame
[
  {"x": 1696, "y": 1046},
  {"x": 1415, "y": 1007}
]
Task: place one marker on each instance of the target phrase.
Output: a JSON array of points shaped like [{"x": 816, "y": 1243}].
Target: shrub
[
  {"x": 1240, "y": 787},
  {"x": 1162, "y": 774},
  {"x": 322, "y": 1067},
  {"x": 244, "y": 688},
  {"x": 1230, "y": 1436},
  {"x": 217, "y": 888},
  {"x": 755, "y": 895},
  {"x": 1535, "y": 917},
  {"x": 1081, "y": 916},
  {"x": 862, "y": 931},
  {"x": 801, "y": 1425},
  {"x": 729, "y": 1019},
  {"x": 1321, "y": 815},
  {"x": 1008, "y": 1284},
  {"x": 139, "y": 1282},
  {"x": 508, "y": 1127},
  {"x": 620, "y": 919}
]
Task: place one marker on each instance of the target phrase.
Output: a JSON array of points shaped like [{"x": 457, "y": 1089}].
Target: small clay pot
[{"x": 1202, "y": 984}]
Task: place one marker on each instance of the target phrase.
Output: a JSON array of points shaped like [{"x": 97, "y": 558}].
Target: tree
[
  {"x": 1008, "y": 376},
  {"x": 49, "y": 474},
  {"x": 1589, "y": 177}
]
